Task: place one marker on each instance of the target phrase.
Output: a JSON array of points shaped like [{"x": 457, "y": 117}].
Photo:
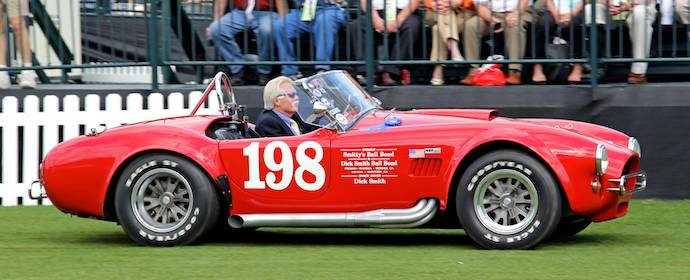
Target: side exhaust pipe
[{"x": 416, "y": 216}]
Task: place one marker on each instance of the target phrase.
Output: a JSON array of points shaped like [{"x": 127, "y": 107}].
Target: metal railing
[{"x": 170, "y": 36}]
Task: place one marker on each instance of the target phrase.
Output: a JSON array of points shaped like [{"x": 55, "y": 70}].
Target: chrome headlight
[
  {"x": 634, "y": 146},
  {"x": 601, "y": 159}
]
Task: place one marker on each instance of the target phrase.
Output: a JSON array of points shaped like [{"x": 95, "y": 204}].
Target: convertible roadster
[{"x": 509, "y": 183}]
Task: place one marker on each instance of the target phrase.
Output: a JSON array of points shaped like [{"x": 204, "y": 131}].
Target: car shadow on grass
[
  {"x": 309, "y": 237},
  {"x": 357, "y": 237}
]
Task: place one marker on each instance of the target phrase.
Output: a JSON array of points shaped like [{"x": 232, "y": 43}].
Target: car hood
[{"x": 442, "y": 117}]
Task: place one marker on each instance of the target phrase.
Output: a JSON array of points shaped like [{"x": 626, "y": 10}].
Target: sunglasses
[{"x": 291, "y": 95}]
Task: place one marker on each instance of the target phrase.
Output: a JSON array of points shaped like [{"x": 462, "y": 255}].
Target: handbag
[
  {"x": 558, "y": 49},
  {"x": 490, "y": 74}
]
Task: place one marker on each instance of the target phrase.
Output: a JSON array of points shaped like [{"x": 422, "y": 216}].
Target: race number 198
[{"x": 304, "y": 164}]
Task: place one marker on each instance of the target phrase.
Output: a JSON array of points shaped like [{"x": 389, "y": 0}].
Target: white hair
[{"x": 272, "y": 90}]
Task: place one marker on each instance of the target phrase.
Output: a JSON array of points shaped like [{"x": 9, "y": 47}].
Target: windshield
[{"x": 343, "y": 100}]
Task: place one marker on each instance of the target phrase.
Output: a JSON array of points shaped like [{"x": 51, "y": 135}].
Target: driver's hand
[{"x": 251, "y": 125}]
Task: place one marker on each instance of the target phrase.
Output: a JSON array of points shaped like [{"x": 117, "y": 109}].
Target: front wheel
[
  {"x": 165, "y": 200},
  {"x": 508, "y": 200}
]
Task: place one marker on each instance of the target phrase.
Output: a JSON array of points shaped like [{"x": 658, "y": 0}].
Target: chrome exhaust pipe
[{"x": 419, "y": 214}]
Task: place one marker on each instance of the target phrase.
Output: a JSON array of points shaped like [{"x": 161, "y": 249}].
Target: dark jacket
[{"x": 269, "y": 124}]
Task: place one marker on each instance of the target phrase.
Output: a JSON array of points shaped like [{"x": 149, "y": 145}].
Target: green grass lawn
[{"x": 652, "y": 242}]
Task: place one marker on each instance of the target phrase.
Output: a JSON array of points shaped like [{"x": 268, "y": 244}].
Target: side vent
[{"x": 425, "y": 167}]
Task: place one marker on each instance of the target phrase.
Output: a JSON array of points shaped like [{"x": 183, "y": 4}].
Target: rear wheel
[
  {"x": 165, "y": 200},
  {"x": 508, "y": 200}
]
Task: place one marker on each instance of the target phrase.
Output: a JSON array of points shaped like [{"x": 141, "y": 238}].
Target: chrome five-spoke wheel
[
  {"x": 506, "y": 201},
  {"x": 162, "y": 200}
]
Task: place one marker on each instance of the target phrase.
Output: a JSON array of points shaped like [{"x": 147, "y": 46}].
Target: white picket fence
[{"x": 13, "y": 189}]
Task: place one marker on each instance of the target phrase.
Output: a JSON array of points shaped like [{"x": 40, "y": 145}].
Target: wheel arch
[
  {"x": 491, "y": 146},
  {"x": 109, "y": 200}
]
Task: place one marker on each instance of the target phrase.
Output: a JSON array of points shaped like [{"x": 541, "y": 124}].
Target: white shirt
[
  {"x": 378, "y": 4},
  {"x": 565, "y": 6},
  {"x": 499, "y": 6}
]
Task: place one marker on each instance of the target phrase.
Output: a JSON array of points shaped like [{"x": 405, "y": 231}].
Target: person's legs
[
  {"x": 516, "y": 39},
  {"x": 325, "y": 28},
  {"x": 286, "y": 30},
  {"x": 264, "y": 38},
  {"x": 639, "y": 23},
  {"x": 573, "y": 34},
  {"x": 16, "y": 12},
  {"x": 224, "y": 38},
  {"x": 682, "y": 10},
  {"x": 4, "y": 76},
  {"x": 438, "y": 52},
  {"x": 407, "y": 34},
  {"x": 356, "y": 30},
  {"x": 475, "y": 28},
  {"x": 545, "y": 29}
]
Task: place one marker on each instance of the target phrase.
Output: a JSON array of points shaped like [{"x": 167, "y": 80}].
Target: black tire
[
  {"x": 506, "y": 182},
  {"x": 181, "y": 201},
  {"x": 570, "y": 226}
]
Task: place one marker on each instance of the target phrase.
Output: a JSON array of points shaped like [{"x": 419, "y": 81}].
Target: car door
[
  {"x": 389, "y": 167},
  {"x": 278, "y": 174}
]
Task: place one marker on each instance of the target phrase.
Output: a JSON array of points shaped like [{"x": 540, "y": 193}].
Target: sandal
[{"x": 437, "y": 82}]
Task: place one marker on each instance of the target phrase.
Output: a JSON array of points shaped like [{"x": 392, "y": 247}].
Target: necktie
[{"x": 295, "y": 127}]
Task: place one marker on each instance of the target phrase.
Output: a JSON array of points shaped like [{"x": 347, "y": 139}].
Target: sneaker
[
  {"x": 263, "y": 79},
  {"x": 361, "y": 79},
  {"x": 5, "y": 80},
  {"x": 636, "y": 79},
  {"x": 27, "y": 80},
  {"x": 295, "y": 76}
]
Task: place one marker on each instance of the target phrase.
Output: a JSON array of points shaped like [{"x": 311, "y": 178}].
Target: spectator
[
  {"x": 398, "y": 17},
  {"x": 255, "y": 15},
  {"x": 322, "y": 18},
  {"x": 640, "y": 16},
  {"x": 447, "y": 20},
  {"x": 682, "y": 9},
  {"x": 507, "y": 17},
  {"x": 563, "y": 19},
  {"x": 16, "y": 11}
]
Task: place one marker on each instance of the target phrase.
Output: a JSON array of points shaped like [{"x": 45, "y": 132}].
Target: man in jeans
[
  {"x": 255, "y": 15},
  {"x": 321, "y": 18},
  {"x": 507, "y": 17}
]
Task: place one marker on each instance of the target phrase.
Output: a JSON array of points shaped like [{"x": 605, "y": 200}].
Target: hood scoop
[{"x": 485, "y": 115}]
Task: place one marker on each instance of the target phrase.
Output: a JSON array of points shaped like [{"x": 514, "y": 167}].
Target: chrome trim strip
[{"x": 640, "y": 183}]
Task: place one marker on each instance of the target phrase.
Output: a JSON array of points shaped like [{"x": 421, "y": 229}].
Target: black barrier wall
[{"x": 656, "y": 114}]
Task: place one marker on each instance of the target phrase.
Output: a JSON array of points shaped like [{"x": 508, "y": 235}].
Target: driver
[{"x": 280, "y": 117}]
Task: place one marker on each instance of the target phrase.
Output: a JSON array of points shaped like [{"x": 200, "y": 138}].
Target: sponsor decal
[
  {"x": 286, "y": 165},
  {"x": 511, "y": 239},
  {"x": 369, "y": 166},
  {"x": 494, "y": 165},
  {"x": 140, "y": 169},
  {"x": 341, "y": 119},
  {"x": 421, "y": 153},
  {"x": 175, "y": 235}
]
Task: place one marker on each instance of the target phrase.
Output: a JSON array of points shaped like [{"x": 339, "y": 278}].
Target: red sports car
[{"x": 509, "y": 183}]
